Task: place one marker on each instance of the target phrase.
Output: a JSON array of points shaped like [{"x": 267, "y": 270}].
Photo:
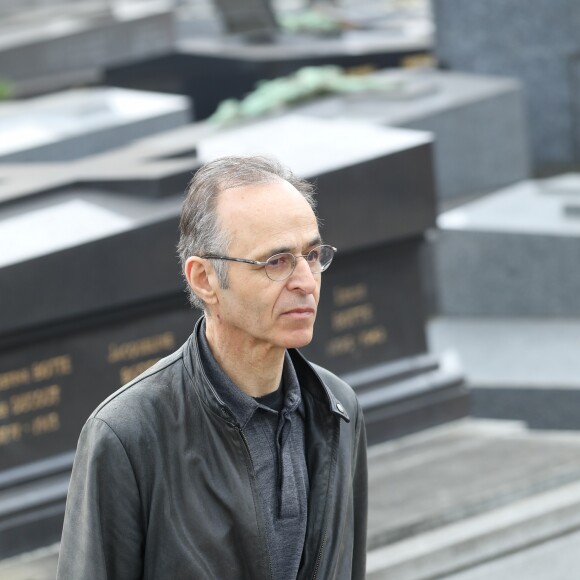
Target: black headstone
[
  {"x": 83, "y": 310},
  {"x": 253, "y": 18},
  {"x": 210, "y": 69}
]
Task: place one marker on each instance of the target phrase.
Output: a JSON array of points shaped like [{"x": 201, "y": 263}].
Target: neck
[{"x": 255, "y": 368}]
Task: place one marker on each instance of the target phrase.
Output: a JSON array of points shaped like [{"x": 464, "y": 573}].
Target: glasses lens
[
  {"x": 280, "y": 266},
  {"x": 320, "y": 258}
]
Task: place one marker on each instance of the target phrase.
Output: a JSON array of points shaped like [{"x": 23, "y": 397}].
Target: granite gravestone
[
  {"x": 537, "y": 43},
  {"x": 80, "y": 122},
  {"x": 14, "y": 11},
  {"x": 81, "y": 335},
  {"x": 112, "y": 301},
  {"x": 478, "y": 122},
  {"x": 512, "y": 254},
  {"x": 213, "y": 68},
  {"x": 251, "y": 18},
  {"x": 44, "y": 47}
]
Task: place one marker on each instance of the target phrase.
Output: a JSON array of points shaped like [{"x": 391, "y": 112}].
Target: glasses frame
[{"x": 264, "y": 264}]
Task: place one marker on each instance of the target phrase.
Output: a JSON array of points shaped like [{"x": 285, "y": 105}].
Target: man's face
[{"x": 263, "y": 220}]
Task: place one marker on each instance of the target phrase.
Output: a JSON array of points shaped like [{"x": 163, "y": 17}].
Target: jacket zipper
[
  {"x": 254, "y": 475},
  {"x": 319, "y": 557},
  {"x": 325, "y": 534}
]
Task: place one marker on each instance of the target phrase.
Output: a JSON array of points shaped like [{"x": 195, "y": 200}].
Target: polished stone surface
[
  {"x": 50, "y": 49},
  {"x": 523, "y": 369},
  {"x": 538, "y": 46},
  {"x": 109, "y": 309},
  {"x": 512, "y": 253},
  {"x": 478, "y": 122},
  {"x": 80, "y": 122},
  {"x": 377, "y": 35}
]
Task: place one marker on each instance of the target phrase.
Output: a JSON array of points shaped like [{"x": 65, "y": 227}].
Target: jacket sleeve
[
  {"x": 103, "y": 528},
  {"x": 360, "y": 498}
]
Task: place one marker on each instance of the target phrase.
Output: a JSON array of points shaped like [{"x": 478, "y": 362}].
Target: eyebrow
[{"x": 316, "y": 241}]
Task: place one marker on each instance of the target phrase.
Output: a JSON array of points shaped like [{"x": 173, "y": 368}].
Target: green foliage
[
  {"x": 5, "y": 90},
  {"x": 306, "y": 83},
  {"x": 309, "y": 21}
]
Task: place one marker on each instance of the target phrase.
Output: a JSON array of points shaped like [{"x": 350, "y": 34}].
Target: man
[{"x": 233, "y": 457}]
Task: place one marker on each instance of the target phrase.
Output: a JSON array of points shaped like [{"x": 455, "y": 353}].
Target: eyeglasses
[{"x": 280, "y": 266}]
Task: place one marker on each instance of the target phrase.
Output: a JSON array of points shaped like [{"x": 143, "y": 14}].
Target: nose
[{"x": 302, "y": 279}]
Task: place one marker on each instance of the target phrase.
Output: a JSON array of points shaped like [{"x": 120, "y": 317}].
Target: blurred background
[{"x": 443, "y": 137}]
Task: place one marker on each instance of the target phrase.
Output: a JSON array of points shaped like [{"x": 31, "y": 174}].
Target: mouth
[{"x": 300, "y": 313}]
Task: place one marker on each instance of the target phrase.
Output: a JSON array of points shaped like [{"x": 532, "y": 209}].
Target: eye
[
  {"x": 280, "y": 261},
  {"x": 313, "y": 255}
]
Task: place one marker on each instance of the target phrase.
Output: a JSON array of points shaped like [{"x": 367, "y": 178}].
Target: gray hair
[{"x": 199, "y": 231}]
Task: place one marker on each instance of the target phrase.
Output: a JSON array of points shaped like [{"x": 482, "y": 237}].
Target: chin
[{"x": 299, "y": 339}]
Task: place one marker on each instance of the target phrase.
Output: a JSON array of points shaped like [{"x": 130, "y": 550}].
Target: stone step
[
  {"x": 479, "y": 539},
  {"x": 455, "y": 496}
]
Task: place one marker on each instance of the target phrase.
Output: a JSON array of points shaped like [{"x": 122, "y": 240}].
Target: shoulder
[{"x": 139, "y": 402}]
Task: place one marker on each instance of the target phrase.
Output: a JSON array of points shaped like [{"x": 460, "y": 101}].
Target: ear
[{"x": 201, "y": 278}]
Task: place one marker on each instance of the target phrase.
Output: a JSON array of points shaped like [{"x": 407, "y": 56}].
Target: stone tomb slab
[
  {"x": 55, "y": 50},
  {"x": 369, "y": 172},
  {"x": 80, "y": 122},
  {"x": 247, "y": 17},
  {"x": 49, "y": 388},
  {"x": 366, "y": 318},
  {"x": 48, "y": 392},
  {"x": 212, "y": 69},
  {"x": 20, "y": 10},
  {"x": 371, "y": 162},
  {"x": 93, "y": 328},
  {"x": 513, "y": 253},
  {"x": 107, "y": 233},
  {"x": 524, "y": 369},
  {"x": 478, "y": 122}
]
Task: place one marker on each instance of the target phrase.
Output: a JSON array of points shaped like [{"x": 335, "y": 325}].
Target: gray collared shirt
[{"x": 277, "y": 448}]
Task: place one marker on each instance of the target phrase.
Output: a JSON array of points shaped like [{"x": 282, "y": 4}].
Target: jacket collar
[
  {"x": 308, "y": 378},
  {"x": 311, "y": 381}
]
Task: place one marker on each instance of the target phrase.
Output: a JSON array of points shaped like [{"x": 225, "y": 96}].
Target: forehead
[{"x": 266, "y": 214}]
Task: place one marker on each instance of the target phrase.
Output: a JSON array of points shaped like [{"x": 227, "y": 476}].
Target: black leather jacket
[{"x": 163, "y": 486}]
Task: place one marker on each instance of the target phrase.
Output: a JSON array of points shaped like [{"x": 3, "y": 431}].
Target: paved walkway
[
  {"x": 555, "y": 560},
  {"x": 38, "y": 565}
]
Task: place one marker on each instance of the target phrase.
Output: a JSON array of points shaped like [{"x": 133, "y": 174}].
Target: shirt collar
[{"x": 240, "y": 405}]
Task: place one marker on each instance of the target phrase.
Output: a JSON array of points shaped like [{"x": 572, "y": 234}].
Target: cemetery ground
[
  {"x": 494, "y": 495},
  {"x": 468, "y": 500}
]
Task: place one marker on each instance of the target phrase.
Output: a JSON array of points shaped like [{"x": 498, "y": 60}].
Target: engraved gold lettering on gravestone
[
  {"x": 372, "y": 336},
  {"x": 49, "y": 368},
  {"x": 341, "y": 345},
  {"x": 14, "y": 378},
  {"x": 48, "y": 423},
  {"x": 35, "y": 400},
  {"x": 10, "y": 433},
  {"x": 344, "y": 295},
  {"x": 353, "y": 316},
  {"x": 147, "y": 346},
  {"x": 4, "y": 410}
]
